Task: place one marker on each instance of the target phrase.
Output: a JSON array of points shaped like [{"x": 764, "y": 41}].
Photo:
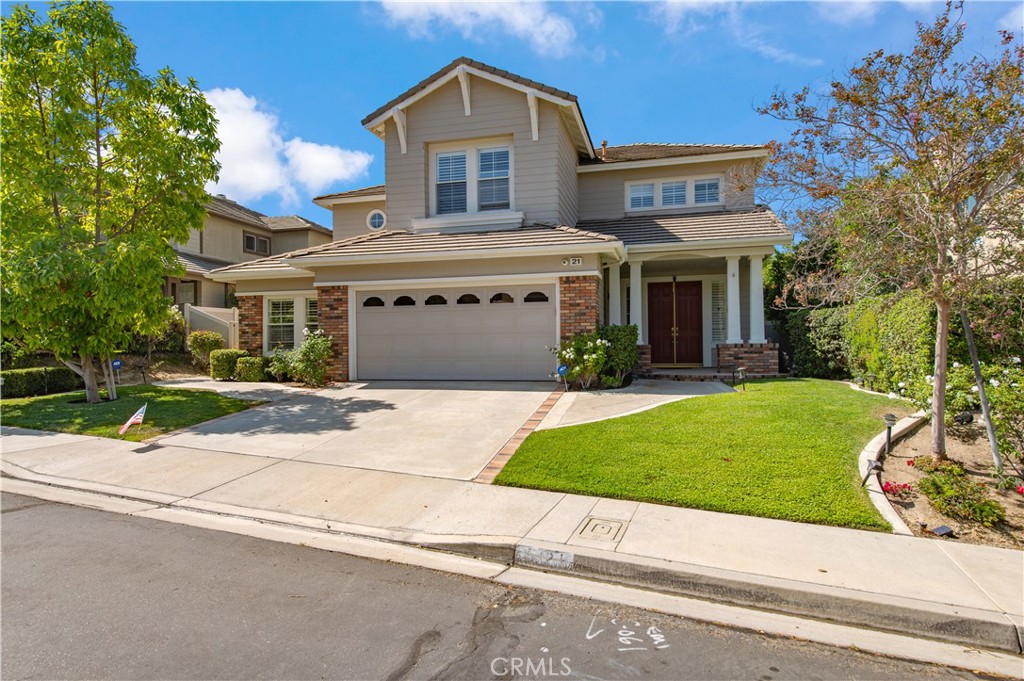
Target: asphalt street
[{"x": 94, "y": 595}]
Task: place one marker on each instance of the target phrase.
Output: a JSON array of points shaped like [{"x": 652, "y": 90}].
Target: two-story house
[
  {"x": 232, "y": 234},
  {"x": 500, "y": 230}
]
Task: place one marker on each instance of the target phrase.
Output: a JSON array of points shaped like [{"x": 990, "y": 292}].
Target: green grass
[
  {"x": 783, "y": 449},
  {"x": 169, "y": 409}
]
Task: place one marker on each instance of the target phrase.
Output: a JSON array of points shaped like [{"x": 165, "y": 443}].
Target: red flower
[
  {"x": 910, "y": 462},
  {"x": 1020, "y": 489}
]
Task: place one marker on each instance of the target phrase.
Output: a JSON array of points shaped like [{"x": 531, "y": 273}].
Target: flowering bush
[
  {"x": 900, "y": 490},
  {"x": 585, "y": 356},
  {"x": 311, "y": 361}
]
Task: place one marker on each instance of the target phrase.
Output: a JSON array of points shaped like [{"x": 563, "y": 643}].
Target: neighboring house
[
  {"x": 233, "y": 234},
  {"x": 501, "y": 230}
]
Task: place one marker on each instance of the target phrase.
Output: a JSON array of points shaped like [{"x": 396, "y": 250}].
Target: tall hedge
[
  {"x": 821, "y": 348},
  {"x": 38, "y": 381},
  {"x": 892, "y": 337}
]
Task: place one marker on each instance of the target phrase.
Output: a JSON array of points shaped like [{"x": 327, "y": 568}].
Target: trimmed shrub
[
  {"x": 311, "y": 361},
  {"x": 39, "y": 381},
  {"x": 201, "y": 344},
  {"x": 250, "y": 369},
  {"x": 621, "y": 356},
  {"x": 223, "y": 362},
  {"x": 893, "y": 337},
  {"x": 584, "y": 354},
  {"x": 820, "y": 345}
]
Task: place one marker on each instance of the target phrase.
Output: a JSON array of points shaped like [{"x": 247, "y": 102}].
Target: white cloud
[
  {"x": 548, "y": 33},
  {"x": 1013, "y": 20},
  {"x": 847, "y": 13},
  {"x": 690, "y": 16},
  {"x": 256, "y": 160}
]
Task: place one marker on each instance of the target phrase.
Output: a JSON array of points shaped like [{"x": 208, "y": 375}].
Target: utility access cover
[{"x": 601, "y": 529}]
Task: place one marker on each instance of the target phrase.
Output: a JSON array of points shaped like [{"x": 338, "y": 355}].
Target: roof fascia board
[
  {"x": 714, "y": 244},
  {"x": 307, "y": 261},
  {"x": 479, "y": 280},
  {"x": 674, "y": 161},
  {"x": 381, "y": 118},
  {"x": 229, "y": 276},
  {"x": 327, "y": 203}
]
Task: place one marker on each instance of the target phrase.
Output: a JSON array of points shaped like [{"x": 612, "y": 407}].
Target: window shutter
[{"x": 718, "y": 312}]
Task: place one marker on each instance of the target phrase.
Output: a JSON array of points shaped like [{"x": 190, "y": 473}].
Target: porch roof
[{"x": 758, "y": 222}]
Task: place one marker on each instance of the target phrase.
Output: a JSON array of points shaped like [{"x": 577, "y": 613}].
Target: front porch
[{"x": 699, "y": 315}]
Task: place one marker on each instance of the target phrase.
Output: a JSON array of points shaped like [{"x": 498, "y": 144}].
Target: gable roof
[
  {"x": 198, "y": 264},
  {"x": 376, "y": 192},
  {"x": 562, "y": 98},
  {"x": 398, "y": 246},
  {"x": 226, "y": 208},
  {"x": 755, "y": 223},
  {"x": 293, "y": 223}
]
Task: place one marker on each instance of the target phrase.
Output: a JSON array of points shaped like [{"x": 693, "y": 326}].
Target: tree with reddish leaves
[{"x": 910, "y": 169}]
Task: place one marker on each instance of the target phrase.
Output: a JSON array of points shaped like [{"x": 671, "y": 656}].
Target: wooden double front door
[{"x": 675, "y": 322}]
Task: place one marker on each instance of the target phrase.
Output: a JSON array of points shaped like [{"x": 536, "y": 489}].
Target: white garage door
[{"x": 497, "y": 333}]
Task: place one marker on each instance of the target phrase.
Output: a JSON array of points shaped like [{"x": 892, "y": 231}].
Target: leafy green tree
[
  {"x": 103, "y": 168},
  {"x": 912, "y": 167}
]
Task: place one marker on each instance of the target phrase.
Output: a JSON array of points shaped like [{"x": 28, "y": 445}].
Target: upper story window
[
  {"x": 472, "y": 178},
  {"x": 673, "y": 193},
  {"x": 256, "y": 244}
]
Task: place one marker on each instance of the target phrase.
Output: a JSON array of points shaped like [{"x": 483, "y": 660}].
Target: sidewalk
[{"x": 941, "y": 590}]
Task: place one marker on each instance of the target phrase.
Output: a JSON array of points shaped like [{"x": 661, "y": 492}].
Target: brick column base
[
  {"x": 760, "y": 359},
  {"x": 644, "y": 356},
  {"x": 332, "y": 306},
  {"x": 250, "y": 324},
  {"x": 578, "y": 305}
]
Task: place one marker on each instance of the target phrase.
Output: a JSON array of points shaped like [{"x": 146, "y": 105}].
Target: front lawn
[
  {"x": 783, "y": 449},
  {"x": 169, "y": 409}
]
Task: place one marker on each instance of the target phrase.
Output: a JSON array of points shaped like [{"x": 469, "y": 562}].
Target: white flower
[
  {"x": 901, "y": 384},
  {"x": 929, "y": 400},
  {"x": 956, "y": 365},
  {"x": 1015, "y": 360},
  {"x": 929, "y": 379},
  {"x": 994, "y": 382},
  {"x": 893, "y": 396},
  {"x": 974, "y": 388}
]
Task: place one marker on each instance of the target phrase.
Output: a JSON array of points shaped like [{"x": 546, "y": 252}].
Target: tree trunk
[
  {"x": 88, "y": 374},
  {"x": 108, "y": 377},
  {"x": 939, "y": 387},
  {"x": 986, "y": 413}
]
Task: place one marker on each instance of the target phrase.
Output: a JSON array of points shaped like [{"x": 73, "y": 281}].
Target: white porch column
[
  {"x": 636, "y": 300},
  {"x": 614, "y": 294},
  {"x": 756, "y": 301},
  {"x": 732, "y": 289}
]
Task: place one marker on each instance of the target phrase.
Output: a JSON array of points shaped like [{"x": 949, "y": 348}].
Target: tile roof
[
  {"x": 400, "y": 243},
  {"x": 199, "y": 264},
  {"x": 426, "y": 82},
  {"x": 375, "y": 190},
  {"x": 645, "y": 151},
  {"x": 633, "y": 230},
  {"x": 226, "y": 208},
  {"x": 291, "y": 223}
]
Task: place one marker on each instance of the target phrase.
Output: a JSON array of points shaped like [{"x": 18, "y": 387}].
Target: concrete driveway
[{"x": 439, "y": 429}]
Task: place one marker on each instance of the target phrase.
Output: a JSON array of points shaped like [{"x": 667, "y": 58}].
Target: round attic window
[{"x": 376, "y": 219}]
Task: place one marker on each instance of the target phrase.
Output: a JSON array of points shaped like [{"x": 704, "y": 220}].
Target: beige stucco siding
[
  {"x": 211, "y": 293},
  {"x": 302, "y": 283},
  {"x": 284, "y": 242},
  {"x": 349, "y": 219},
  {"x": 222, "y": 240},
  {"x": 602, "y": 195},
  {"x": 496, "y": 111},
  {"x": 457, "y": 268}
]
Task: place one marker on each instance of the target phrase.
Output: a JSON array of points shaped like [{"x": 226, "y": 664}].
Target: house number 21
[{"x": 572, "y": 262}]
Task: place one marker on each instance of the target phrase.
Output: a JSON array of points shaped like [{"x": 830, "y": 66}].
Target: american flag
[{"x": 135, "y": 419}]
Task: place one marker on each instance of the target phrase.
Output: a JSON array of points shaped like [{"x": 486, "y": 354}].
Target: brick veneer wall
[
  {"x": 332, "y": 306},
  {"x": 643, "y": 353},
  {"x": 578, "y": 305},
  {"x": 758, "y": 358},
  {"x": 250, "y": 324}
]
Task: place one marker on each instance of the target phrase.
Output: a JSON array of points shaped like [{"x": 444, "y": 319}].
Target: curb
[
  {"x": 871, "y": 452},
  {"x": 986, "y": 629}
]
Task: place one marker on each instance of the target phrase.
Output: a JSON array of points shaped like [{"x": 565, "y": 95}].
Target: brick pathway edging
[{"x": 498, "y": 461}]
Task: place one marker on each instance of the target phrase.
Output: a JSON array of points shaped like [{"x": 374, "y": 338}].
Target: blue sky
[{"x": 292, "y": 80}]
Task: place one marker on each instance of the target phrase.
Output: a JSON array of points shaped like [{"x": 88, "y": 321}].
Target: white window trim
[
  {"x": 472, "y": 150},
  {"x": 690, "y": 180},
  {"x": 298, "y": 321},
  {"x": 256, "y": 240},
  {"x": 369, "y": 216}
]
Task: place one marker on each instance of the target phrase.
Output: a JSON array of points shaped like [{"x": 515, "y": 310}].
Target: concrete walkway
[
  {"x": 941, "y": 590},
  {"x": 575, "y": 408}
]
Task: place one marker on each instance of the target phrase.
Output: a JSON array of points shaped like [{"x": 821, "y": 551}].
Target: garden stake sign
[{"x": 563, "y": 369}]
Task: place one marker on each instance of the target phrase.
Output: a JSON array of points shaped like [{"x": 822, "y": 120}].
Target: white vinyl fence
[{"x": 223, "y": 320}]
